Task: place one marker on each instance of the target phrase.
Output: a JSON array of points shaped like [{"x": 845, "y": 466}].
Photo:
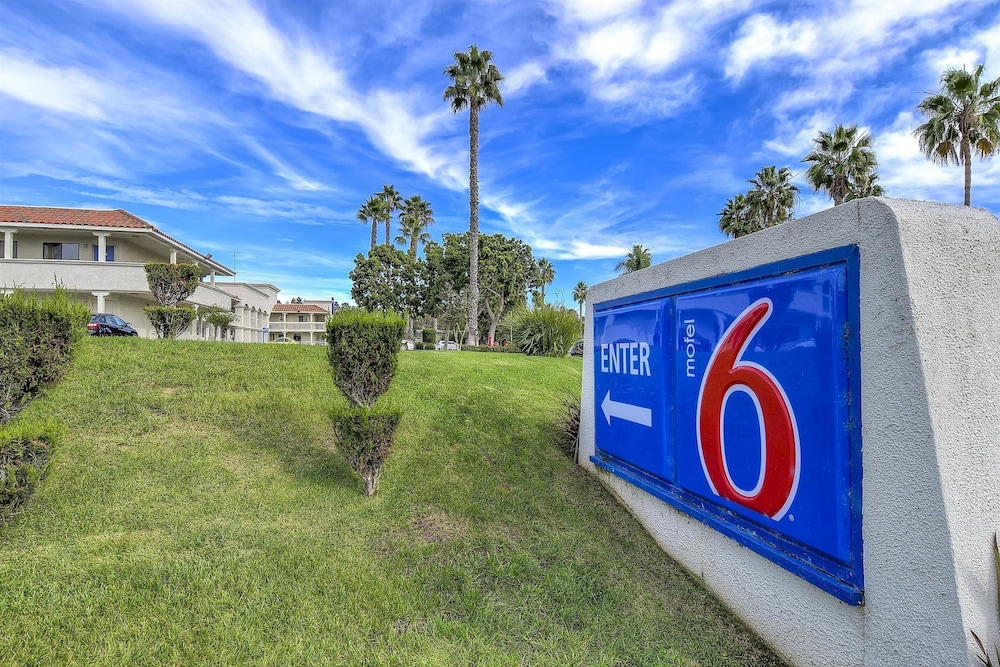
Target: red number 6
[{"x": 779, "y": 437}]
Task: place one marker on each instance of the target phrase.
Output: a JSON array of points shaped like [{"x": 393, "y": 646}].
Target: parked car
[
  {"x": 285, "y": 340},
  {"x": 407, "y": 345},
  {"x": 450, "y": 345},
  {"x": 577, "y": 349},
  {"x": 106, "y": 324}
]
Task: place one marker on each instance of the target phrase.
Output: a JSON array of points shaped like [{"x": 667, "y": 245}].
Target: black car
[{"x": 106, "y": 324}]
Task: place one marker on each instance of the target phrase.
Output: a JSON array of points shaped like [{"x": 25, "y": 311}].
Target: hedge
[
  {"x": 25, "y": 452},
  {"x": 37, "y": 336}
]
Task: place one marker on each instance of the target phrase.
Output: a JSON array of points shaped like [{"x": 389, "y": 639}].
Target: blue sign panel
[
  {"x": 631, "y": 354},
  {"x": 753, "y": 428}
]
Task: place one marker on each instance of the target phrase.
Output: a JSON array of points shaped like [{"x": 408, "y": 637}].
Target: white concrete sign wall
[{"x": 908, "y": 572}]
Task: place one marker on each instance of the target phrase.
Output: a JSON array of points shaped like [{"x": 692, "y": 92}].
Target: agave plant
[{"x": 984, "y": 656}]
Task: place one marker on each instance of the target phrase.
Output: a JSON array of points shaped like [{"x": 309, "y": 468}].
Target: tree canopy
[
  {"x": 843, "y": 164},
  {"x": 962, "y": 119}
]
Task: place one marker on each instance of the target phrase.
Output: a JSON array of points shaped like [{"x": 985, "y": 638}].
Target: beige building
[
  {"x": 99, "y": 255},
  {"x": 302, "y": 322}
]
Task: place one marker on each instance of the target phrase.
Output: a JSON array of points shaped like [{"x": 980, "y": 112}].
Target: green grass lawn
[{"x": 197, "y": 512}]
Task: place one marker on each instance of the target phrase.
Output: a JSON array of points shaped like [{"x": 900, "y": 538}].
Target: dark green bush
[
  {"x": 170, "y": 321},
  {"x": 37, "y": 337},
  {"x": 25, "y": 451},
  {"x": 365, "y": 438},
  {"x": 172, "y": 283},
  {"x": 363, "y": 349},
  {"x": 512, "y": 349},
  {"x": 428, "y": 336},
  {"x": 545, "y": 331}
]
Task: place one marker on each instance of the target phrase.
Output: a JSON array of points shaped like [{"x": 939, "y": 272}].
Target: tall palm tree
[
  {"x": 772, "y": 197},
  {"x": 962, "y": 119},
  {"x": 546, "y": 273},
  {"x": 475, "y": 82},
  {"x": 393, "y": 201},
  {"x": 637, "y": 258},
  {"x": 416, "y": 216},
  {"x": 736, "y": 219},
  {"x": 839, "y": 160},
  {"x": 865, "y": 187},
  {"x": 371, "y": 210},
  {"x": 580, "y": 295}
]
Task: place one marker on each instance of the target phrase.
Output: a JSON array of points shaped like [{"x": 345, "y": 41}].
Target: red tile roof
[
  {"x": 71, "y": 216},
  {"x": 296, "y": 308}
]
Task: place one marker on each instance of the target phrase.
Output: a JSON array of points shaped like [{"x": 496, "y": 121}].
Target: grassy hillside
[{"x": 198, "y": 513}]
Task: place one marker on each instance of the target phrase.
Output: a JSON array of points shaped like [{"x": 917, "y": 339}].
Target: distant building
[
  {"x": 99, "y": 255},
  {"x": 302, "y": 322}
]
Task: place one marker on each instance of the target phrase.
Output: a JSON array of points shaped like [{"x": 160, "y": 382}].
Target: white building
[
  {"x": 302, "y": 322},
  {"x": 99, "y": 255}
]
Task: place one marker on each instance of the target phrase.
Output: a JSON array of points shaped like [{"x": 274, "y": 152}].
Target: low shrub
[
  {"x": 363, "y": 349},
  {"x": 25, "y": 452},
  {"x": 513, "y": 349},
  {"x": 170, "y": 321},
  {"x": 37, "y": 337},
  {"x": 568, "y": 426},
  {"x": 428, "y": 336},
  {"x": 365, "y": 438},
  {"x": 545, "y": 331}
]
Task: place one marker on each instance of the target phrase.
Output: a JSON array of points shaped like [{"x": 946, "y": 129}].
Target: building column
[
  {"x": 212, "y": 281},
  {"x": 173, "y": 256},
  {"x": 8, "y": 243},
  {"x": 100, "y": 300},
  {"x": 102, "y": 246}
]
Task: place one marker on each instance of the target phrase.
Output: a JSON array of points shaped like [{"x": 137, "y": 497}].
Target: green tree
[
  {"x": 865, "y": 187},
  {"x": 475, "y": 82},
  {"x": 392, "y": 201},
  {"x": 507, "y": 270},
  {"x": 416, "y": 216},
  {"x": 170, "y": 284},
  {"x": 962, "y": 119},
  {"x": 388, "y": 281},
  {"x": 772, "y": 196},
  {"x": 736, "y": 219},
  {"x": 841, "y": 161},
  {"x": 636, "y": 259},
  {"x": 545, "y": 273},
  {"x": 580, "y": 295},
  {"x": 371, "y": 211}
]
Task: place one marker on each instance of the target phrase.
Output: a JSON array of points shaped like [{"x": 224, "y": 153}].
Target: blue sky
[{"x": 259, "y": 127}]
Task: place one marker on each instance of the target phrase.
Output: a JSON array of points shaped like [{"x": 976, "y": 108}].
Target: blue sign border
[{"x": 843, "y": 582}]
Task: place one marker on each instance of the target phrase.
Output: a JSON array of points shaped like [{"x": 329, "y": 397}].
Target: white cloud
[
  {"x": 523, "y": 76},
  {"x": 301, "y": 74}
]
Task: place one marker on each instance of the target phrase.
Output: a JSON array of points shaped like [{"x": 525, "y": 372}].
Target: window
[
  {"x": 60, "y": 251},
  {"x": 13, "y": 255},
  {"x": 302, "y": 318},
  {"x": 109, "y": 254}
]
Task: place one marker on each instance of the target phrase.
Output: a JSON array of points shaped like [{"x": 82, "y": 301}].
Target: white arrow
[{"x": 626, "y": 411}]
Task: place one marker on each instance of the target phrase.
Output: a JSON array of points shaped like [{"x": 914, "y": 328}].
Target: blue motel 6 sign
[{"x": 737, "y": 400}]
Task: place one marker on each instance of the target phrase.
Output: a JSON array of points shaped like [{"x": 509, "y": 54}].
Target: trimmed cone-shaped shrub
[
  {"x": 170, "y": 321},
  {"x": 363, "y": 349},
  {"x": 172, "y": 283},
  {"x": 365, "y": 439},
  {"x": 25, "y": 451},
  {"x": 428, "y": 336}
]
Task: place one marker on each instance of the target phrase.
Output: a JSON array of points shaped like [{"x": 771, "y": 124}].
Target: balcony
[
  {"x": 296, "y": 326},
  {"x": 86, "y": 277}
]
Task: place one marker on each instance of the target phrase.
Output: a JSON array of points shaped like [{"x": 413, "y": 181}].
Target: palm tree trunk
[
  {"x": 388, "y": 219},
  {"x": 374, "y": 233},
  {"x": 473, "y": 337},
  {"x": 967, "y": 161},
  {"x": 413, "y": 247}
]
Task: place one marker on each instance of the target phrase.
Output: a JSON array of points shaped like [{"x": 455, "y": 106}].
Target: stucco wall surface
[{"x": 930, "y": 412}]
